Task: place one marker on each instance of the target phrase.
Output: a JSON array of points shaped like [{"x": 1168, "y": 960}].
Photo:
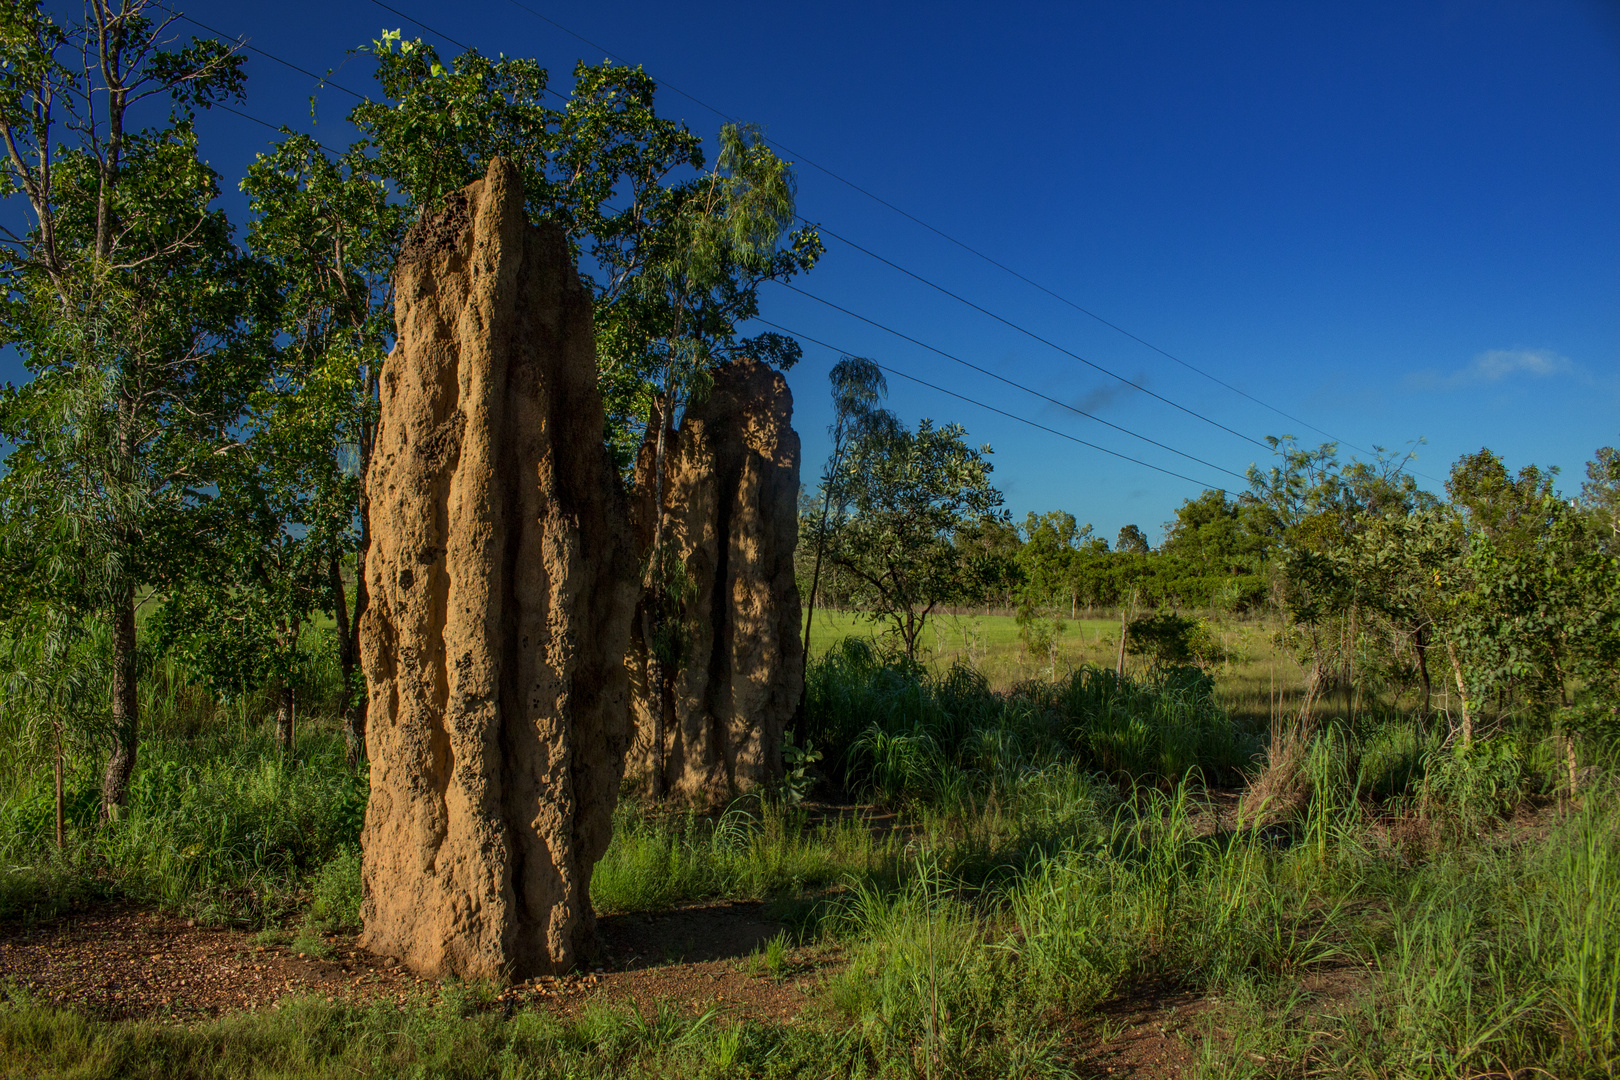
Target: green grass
[
  {"x": 988, "y": 642},
  {"x": 1046, "y": 849},
  {"x": 751, "y": 852},
  {"x": 221, "y": 826},
  {"x": 451, "y": 1037}
]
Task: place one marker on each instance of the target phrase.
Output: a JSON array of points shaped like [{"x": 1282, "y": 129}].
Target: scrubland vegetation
[
  {"x": 1323, "y": 785},
  {"x": 1004, "y": 866}
]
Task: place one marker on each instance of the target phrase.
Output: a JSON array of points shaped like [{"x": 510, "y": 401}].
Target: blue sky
[{"x": 1392, "y": 221}]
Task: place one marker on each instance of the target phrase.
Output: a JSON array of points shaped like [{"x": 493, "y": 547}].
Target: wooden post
[{"x": 1123, "y": 618}]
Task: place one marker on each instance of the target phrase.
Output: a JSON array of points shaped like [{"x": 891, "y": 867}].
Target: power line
[
  {"x": 1010, "y": 382},
  {"x": 1044, "y": 341},
  {"x": 874, "y": 255},
  {"x": 959, "y": 243},
  {"x": 273, "y": 127},
  {"x": 935, "y": 386},
  {"x": 946, "y": 355},
  {"x": 887, "y": 329},
  {"x": 955, "y": 296},
  {"x": 1000, "y": 412},
  {"x": 243, "y": 41},
  {"x": 423, "y": 25}
]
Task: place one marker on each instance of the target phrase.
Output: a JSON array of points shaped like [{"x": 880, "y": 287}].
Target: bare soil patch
[{"x": 121, "y": 962}]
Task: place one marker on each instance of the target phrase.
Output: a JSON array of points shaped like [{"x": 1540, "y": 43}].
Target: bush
[
  {"x": 1476, "y": 781},
  {"x": 1172, "y": 641},
  {"x": 898, "y": 733},
  {"x": 336, "y": 892}
]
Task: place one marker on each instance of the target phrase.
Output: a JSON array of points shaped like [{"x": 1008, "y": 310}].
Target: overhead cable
[
  {"x": 1010, "y": 382},
  {"x": 933, "y": 386},
  {"x": 992, "y": 408},
  {"x": 970, "y": 249}
]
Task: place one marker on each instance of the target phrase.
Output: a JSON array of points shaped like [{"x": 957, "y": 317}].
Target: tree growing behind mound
[{"x": 910, "y": 493}]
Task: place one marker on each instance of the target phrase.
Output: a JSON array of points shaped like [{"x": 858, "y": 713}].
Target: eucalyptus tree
[
  {"x": 1541, "y": 622},
  {"x": 127, "y": 301},
  {"x": 1600, "y": 494},
  {"x": 1310, "y": 508},
  {"x": 721, "y": 241},
  {"x": 328, "y": 231},
  {"x": 857, "y": 387}
]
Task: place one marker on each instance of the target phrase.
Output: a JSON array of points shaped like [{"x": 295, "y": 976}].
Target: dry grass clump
[{"x": 1281, "y": 790}]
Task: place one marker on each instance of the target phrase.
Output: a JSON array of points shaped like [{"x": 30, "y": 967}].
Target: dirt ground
[{"x": 121, "y": 962}]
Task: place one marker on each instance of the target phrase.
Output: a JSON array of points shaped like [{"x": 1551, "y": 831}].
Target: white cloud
[{"x": 1498, "y": 364}]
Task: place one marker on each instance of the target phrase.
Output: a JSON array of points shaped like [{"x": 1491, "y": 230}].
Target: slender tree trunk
[
  {"x": 61, "y": 801},
  {"x": 1305, "y": 721},
  {"x": 125, "y": 708},
  {"x": 1350, "y": 662},
  {"x": 354, "y": 728},
  {"x": 284, "y": 716},
  {"x": 1420, "y": 645},
  {"x": 1571, "y": 763},
  {"x": 656, "y": 676},
  {"x": 800, "y": 721},
  {"x": 1119, "y": 668},
  {"x": 1462, "y": 694},
  {"x": 355, "y": 719}
]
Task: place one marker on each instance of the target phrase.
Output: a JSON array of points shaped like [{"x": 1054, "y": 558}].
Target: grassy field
[
  {"x": 1066, "y": 877},
  {"x": 1256, "y": 677}
]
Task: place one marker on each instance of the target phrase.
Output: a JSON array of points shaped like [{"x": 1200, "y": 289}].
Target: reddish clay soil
[
  {"x": 1153, "y": 1031},
  {"x": 121, "y": 962}
]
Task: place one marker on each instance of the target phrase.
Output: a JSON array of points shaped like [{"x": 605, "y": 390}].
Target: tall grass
[
  {"x": 220, "y": 825},
  {"x": 753, "y": 851},
  {"x": 895, "y": 731},
  {"x": 1042, "y": 852}
]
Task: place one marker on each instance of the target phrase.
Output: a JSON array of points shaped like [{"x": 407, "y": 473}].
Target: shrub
[{"x": 336, "y": 892}]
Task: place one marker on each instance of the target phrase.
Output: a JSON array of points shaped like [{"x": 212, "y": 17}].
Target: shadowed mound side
[{"x": 731, "y": 504}]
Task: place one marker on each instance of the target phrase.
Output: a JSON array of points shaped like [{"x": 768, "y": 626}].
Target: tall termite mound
[
  {"x": 731, "y": 485},
  {"x": 502, "y": 585}
]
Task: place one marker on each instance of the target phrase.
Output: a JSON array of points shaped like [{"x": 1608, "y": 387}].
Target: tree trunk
[
  {"x": 1350, "y": 666},
  {"x": 1119, "y": 676},
  {"x": 800, "y": 722},
  {"x": 284, "y": 717},
  {"x": 125, "y": 708},
  {"x": 657, "y": 679},
  {"x": 354, "y": 721},
  {"x": 1420, "y": 645},
  {"x": 1462, "y": 694},
  {"x": 1305, "y": 721},
  {"x": 1571, "y": 763},
  {"x": 61, "y": 801},
  {"x": 354, "y": 727}
]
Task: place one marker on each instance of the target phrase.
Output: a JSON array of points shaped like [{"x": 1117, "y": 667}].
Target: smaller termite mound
[
  {"x": 731, "y": 484},
  {"x": 502, "y": 582}
]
